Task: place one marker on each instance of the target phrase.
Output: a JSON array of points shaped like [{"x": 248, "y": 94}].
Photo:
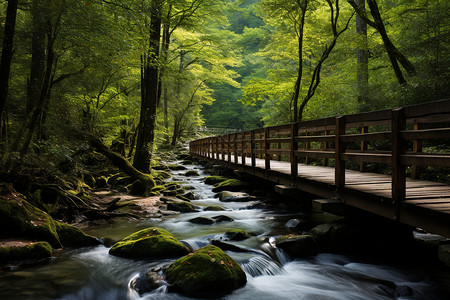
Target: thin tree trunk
[
  {"x": 7, "y": 53},
  {"x": 146, "y": 132},
  {"x": 298, "y": 83},
  {"x": 362, "y": 58}
]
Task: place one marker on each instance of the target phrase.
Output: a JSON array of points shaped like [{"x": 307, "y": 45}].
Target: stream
[{"x": 91, "y": 273}]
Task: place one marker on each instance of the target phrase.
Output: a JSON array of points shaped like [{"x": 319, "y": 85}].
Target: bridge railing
[{"x": 391, "y": 137}]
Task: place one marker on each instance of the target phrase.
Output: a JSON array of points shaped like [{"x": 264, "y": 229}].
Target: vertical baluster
[{"x": 339, "y": 175}]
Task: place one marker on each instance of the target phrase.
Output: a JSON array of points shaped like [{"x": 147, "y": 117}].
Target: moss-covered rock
[
  {"x": 297, "y": 245},
  {"x": 152, "y": 243},
  {"x": 233, "y": 185},
  {"x": 237, "y": 235},
  {"x": 181, "y": 206},
  {"x": 207, "y": 271},
  {"x": 335, "y": 237},
  {"x": 176, "y": 167},
  {"x": 215, "y": 179},
  {"x": 18, "y": 218},
  {"x": 71, "y": 236},
  {"x": 223, "y": 218},
  {"x": 191, "y": 173},
  {"x": 214, "y": 208},
  {"x": 15, "y": 251}
]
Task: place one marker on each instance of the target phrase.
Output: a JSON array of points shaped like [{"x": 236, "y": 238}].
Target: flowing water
[{"x": 91, "y": 273}]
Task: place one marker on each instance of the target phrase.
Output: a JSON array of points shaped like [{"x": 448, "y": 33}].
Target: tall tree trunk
[
  {"x": 149, "y": 101},
  {"x": 39, "y": 105},
  {"x": 298, "y": 83},
  {"x": 37, "y": 55},
  {"x": 7, "y": 53},
  {"x": 362, "y": 58}
]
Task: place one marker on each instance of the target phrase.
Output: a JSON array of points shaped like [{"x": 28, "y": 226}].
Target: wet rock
[
  {"x": 292, "y": 224},
  {"x": 233, "y": 185},
  {"x": 237, "y": 235},
  {"x": 202, "y": 220},
  {"x": 187, "y": 162},
  {"x": 335, "y": 237},
  {"x": 152, "y": 243},
  {"x": 191, "y": 173},
  {"x": 18, "y": 218},
  {"x": 215, "y": 179},
  {"x": 176, "y": 167},
  {"x": 160, "y": 167},
  {"x": 154, "y": 278},
  {"x": 444, "y": 254},
  {"x": 227, "y": 196},
  {"x": 208, "y": 271},
  {"x": 21, "y": 250},
  {"x": 213, "y": 208},
  {"x": 297, "y": 245},
  {"x": 189, "y": 195},
  {"x": 184, "y": 156},
  {"x": 223, "y": 218},
  {"x": 182, "y": 197},
  {"x": 227, "y": 246},
  {"x": 181, "y": 206}
]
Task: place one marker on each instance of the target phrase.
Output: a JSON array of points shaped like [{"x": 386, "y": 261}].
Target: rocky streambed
[{"x": 220, "y": 237}]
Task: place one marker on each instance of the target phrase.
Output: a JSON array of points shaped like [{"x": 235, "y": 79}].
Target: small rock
[
  {"x": 181, "y": 206},
  {"x": 176, "y": 167},
  {"x": 191, "y": 173},
  {"x": 227, "y": 196},
  {"x": 215, "y": 179},
  {"x": 233, "y": 185},
  {"x": 223, "y": 218},
  {"x": 237, "y": 235},
  {"x": 202, "y": 220},
  {"x": 213, "y": 208},
  {"x": 444, "y": 254},
  {"x": 297, "y": 245}
]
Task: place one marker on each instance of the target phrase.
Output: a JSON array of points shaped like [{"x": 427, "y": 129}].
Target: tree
[
  {"x": 7, "y": 53},
  {"x": 362, "y": 57},
  {"x": 394, "y": 54},
  {"x": 149, "y": 90}
]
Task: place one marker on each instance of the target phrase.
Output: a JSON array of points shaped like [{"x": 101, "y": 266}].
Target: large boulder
[
  {"x": 233, "y": 185},
  {"x": 207, "y": 271},
  {"x": 18, "y": 218},
  {"x": 297, "y": 245},
  {"x": 152, "y": 243},
  {"x": 24, "y": 250},
  {"x": 227, "y": 196},
  {"x": 191, "y": 173}
]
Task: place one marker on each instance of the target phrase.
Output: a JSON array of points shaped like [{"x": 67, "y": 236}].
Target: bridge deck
[{"x": 427, "y": 203}]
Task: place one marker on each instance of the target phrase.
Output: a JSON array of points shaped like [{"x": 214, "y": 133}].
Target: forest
[{"x": 76, "y": 68}]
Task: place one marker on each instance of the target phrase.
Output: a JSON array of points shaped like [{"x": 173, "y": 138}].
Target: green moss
[
  {"x": 158, "y": 189},
  {"x": 191, "y": 173},
  {"x": 215, "y": 179},
  {"x": 150, "y": 243},
  {"x": 71, "y": 236},
  {"x": 181, "y": 206},
  {"x": 233, "y": 185},
  {"x": 30, "y": 251},
  {"x": 208, "y": 271},
  {"x": 214, "y": 208},
  {"x": 237, "y": 234},
  {"x": 18, "y": 218},
  {"x": 161, "y": 174}
]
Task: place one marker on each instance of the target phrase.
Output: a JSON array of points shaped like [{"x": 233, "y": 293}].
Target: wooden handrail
[{"x": 342, "y": 139}]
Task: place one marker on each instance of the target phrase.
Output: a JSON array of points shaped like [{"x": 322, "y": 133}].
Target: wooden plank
[
  {"x": 365, "y": 137},
  {"x": 367, "y": 157},
  {"x": 426, "y": 160},
  {"x": 426, "y": 134}
]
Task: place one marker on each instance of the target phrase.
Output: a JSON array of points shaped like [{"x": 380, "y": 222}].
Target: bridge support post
[
  {"x": 252, "y": 148},
  {"x": 243, "y": 147},
  {"x": 266, "y": 148},
  {"x": 293, "y": 150},
  {"x": 417, "y": 148},
  {"x": 339, "y": 169},
  {"x": 398, "y": 169},
  {"x": 235, "y": 147}
]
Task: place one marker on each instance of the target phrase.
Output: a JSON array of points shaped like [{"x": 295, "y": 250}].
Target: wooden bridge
[{"x": 377, "y": 161}]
